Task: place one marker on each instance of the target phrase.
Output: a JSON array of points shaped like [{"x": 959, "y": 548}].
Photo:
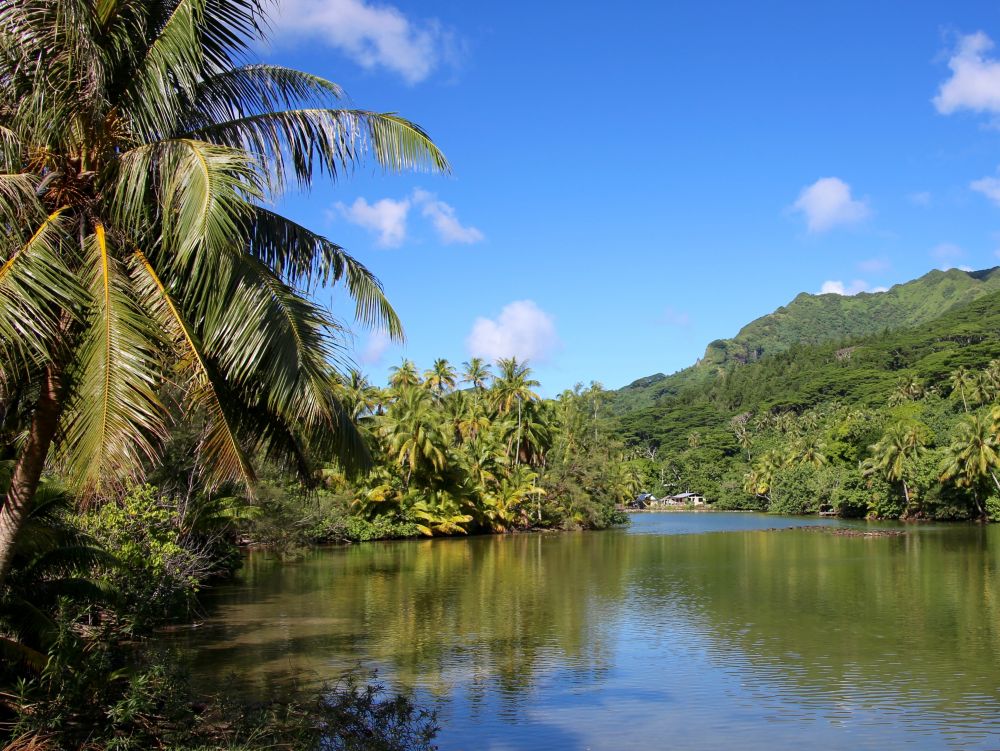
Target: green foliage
[
  {"x": 161, "y": 568},
  {"x": 905, "y": 418},
  {"x": 836, "y": 321}
]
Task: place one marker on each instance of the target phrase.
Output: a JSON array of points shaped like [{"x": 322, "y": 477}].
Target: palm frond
[
  {"x": 331, "y": 141},
  {"x": 220, "y": 447},
  {"x": 201, "y": 192},
  {"x": 197, "y": 39},
  {"x": 35, "y": 286},
  {"x": 116, "y": 421},
  {"x": 252, "y": 89},
  {"x": 301, "y": 256}
]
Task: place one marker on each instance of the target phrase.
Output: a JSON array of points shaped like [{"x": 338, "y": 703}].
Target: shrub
[{"x": 160, "y": 575}]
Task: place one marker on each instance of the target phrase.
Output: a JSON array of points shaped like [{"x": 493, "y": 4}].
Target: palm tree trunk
[
  {"x": 906, "y": 495},
  {"x": 28, "y": 470},
  {"x": 517, "y": 451}
]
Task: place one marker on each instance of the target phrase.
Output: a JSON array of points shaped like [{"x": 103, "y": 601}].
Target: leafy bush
[
  {"x": 357, "y": 529},
  {"x": 161, "y": 569}
]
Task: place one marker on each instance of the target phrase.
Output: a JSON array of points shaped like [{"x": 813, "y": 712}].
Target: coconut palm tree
[
  {"x": 973, "y": 456},
  {"x": 893, "y": 455},
  {"x": 139, "y": 150},
  {"x": 476, "y": 372},
  {"x": 982, "y": 390},
  {"x": 441, "y": 378},
  {"x": 513, "y": 385},
  {"x": 962, "y": 380},
  {"x": 412, "y": 437},
  {"x": 808, "y": 450},
  {"x": 909, "y": 388},
  {"x": 404, "y": 375}
]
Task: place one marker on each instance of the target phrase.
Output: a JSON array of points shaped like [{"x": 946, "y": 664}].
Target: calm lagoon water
[{"x": 683, "y": 631}]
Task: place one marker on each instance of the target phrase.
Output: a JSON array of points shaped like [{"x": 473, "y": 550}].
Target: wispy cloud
[
  {"x": 920, "y": 198},
  {"x": 837, "y": 287},
  {"x": 386, "y": 218},
  {"x": 673, "y": 317},
  {"x": 946, "y": 255},
  {"x": 875, "y": 265},
  {"x": 375, "y": 348},
  {"x": 974, "y": 83},
  {"x": 828, "y": 203},
  {"x": 522, "y": 330},
  {"x": 989, "y": 187},
  {"x": 442, "y": 217},
  {"x": 374, "y": 35}
]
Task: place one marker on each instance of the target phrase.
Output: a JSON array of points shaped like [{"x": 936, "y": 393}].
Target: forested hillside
[
  {"x": 816, "y": 417},
  {"x": 818, "y": 319}
]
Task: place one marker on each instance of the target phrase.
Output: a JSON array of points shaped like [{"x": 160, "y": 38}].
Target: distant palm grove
[{"x": 903, "y": 423}]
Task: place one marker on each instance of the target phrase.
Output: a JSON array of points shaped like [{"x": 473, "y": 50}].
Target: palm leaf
[
  {"x": 116, "y": 421},
  {"x": 301, "y": 256},
  {"x": 35, "y": 286},
  {"x": 221, "y": 449},
  {"x": 330, "y": 140}
]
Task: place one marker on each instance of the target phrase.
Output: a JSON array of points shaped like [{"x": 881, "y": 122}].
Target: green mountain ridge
[
  {"x": 812, "y": 319},
  {"x": 862, "y": 370}
]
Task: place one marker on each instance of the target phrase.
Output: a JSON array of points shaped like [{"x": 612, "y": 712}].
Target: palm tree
[
  {"x": 476, "y": 373},
  {"x": 441, "y": 378},
  {"x": 808, "y": 450},
  {"x": 139, "y": 152},
  {"x": 514, "y": 384},
  {"x": 411, "y": 433},
  {"x": 892, "y": 456},
  {"x": 982, "y": 390},
  {"x": 962, "y": 380},
  {"x": 404, "y": 375},
  {"x": 972, "y": 457},
  {"x": 909, "y": 388},
  {"x": 992, "y": 373}
]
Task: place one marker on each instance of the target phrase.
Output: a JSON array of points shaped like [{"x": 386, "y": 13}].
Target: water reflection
[{"x": 603, "y": 640}]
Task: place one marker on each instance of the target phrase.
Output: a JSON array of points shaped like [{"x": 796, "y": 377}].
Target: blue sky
[{"x": 632, "y": 180}]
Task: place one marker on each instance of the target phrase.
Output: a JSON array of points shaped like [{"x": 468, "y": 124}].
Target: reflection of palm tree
[
  {"x": 138, "y": 155},
  {"x": 894, "y": 453},
  {"x": 972, "y": 457}
]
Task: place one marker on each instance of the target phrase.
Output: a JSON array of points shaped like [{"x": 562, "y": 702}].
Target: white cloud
[
  {"x": 442, "y": 216},
  {"x": 989, "y": 187},
  {"x": 673, "y": 317},
  {"x": 875, "y": 265},
  {"x": 386, "y": 218},
  {"x": 965, "y": 267},
  {"x": 920, "y": 198},
  {"x": 373, "y": 36},
  {"x": 828, "y": 203},
  {"x": 836, "y": 287},
  {"x": 522, "y": 330},
  {"x": 975, "y": 78},
  {"x": 946, "y": 255},
  {"x": 880, "y": 288},
  {"x": 378, "y": 342}
]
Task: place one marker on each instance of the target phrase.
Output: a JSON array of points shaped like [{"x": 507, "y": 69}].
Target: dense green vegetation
[
  {"x": 820, "y": 319},
  {"x": 810, "y": 427}
]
